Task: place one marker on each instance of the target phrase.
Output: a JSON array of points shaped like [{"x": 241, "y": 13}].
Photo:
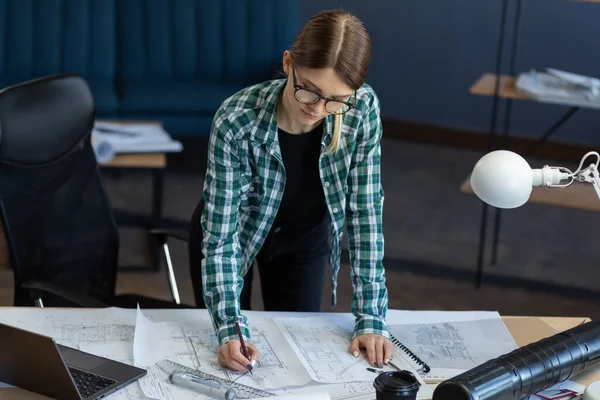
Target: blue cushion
[
  {"x": 175, "y": 96},
  {"x": 204, "y": 40},
  {"x": 105, "y": 95},
  {"x": 40, "y": 38}
]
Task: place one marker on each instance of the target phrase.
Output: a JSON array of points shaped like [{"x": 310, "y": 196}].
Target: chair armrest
[
  {"x": 81, "y": 299},
  {"x": 162, "y": 234}
]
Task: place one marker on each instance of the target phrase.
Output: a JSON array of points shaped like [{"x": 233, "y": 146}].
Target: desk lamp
[{"x": 504, "y": 179}]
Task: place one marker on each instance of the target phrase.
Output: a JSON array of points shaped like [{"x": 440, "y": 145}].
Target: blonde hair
[
  {"x": 334, "y": 146},
  {"x": 339, "y": 40}
]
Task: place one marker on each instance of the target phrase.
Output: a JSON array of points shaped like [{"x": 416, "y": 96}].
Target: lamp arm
[
  {"x": 552, "y": 176},
  {"x": 590, "y": 175}
]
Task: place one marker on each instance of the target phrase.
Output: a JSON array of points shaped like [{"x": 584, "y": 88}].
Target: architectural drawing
[
  {"x": 441, "y": 341},
  {"x": 338, "y": 391},
  {"x": 195, "y": 346},
  {"x": 188, "y": 338},
  {"x": 322, "y": 346},
  {"x": 458, "y": 345}
]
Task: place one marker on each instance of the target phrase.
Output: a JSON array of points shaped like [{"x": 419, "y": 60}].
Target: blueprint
[
  {"x": 195, "y": 346},
  {"x": 455, "y": 345},
  {"x": 322, "y": 345},
  {"x": 187, "y": 337},
  {"x": 75, "y": 326}
]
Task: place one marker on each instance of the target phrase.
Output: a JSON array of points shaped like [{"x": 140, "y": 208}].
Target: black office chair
[
  {"x": 59, "y": 225},
  {"x": 193, "y": 237}
]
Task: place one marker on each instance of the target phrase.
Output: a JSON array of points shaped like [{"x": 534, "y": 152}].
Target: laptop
[{"x": 37, "y": 363}]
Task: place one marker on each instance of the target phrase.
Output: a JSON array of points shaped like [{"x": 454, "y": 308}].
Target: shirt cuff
[
  {"x": 228, "y": 332},
  {"x": 368, "y": 324}
]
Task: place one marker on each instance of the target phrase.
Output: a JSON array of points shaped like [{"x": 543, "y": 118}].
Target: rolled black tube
[{"x": 529, "y": 369}]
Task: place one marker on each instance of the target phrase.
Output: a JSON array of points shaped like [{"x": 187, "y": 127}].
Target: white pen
[{"x": 205, "y": 386}]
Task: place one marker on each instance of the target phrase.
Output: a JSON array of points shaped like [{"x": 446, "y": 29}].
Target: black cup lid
[{"x": 396, "y": 381}]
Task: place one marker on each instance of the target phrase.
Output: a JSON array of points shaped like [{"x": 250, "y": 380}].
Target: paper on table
[
  {"x": 196, "y": 347},
  {"x": 304, "y": 396},
  {"x": 322, "y": 346},
  {"x": 110, "y": 138},
  {"x": 561, "y": 391},
  {"x": 145, "y": 341},
  {"x": 452, "y": 347}
]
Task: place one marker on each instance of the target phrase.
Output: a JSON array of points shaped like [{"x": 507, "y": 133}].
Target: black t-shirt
[{"x": 303, "y": 204}]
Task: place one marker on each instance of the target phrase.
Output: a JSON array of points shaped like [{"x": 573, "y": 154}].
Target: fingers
[
  {"x": 379, "y": 348},
  {"x": 387, "y": 350},
  {"x": 235, "y": 352},
  {"x": 379, "y": 351},
  {"x": 230, "y": 356},
  {"x": 354, "y": 347},
  {"x": 225, "y": 360},
  {"x": 253, "y": 353},
  {"x": 371, "y": 352}
]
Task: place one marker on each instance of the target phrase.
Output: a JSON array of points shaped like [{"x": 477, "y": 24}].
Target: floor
[{"x": 431, "y": 238}]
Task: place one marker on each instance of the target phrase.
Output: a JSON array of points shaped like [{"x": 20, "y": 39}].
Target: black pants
[{"x": 291, "y": 269}]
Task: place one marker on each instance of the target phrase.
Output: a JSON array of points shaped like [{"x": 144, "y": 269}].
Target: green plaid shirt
[{"x": 245, "y": 180}]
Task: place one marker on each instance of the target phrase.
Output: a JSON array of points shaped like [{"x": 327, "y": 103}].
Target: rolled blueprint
[
  {"x": 103, "y": 150},
  {"x": 529, "y": 369}
]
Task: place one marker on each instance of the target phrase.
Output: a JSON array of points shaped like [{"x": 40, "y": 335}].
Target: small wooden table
[{"x": 156, "y": 163}]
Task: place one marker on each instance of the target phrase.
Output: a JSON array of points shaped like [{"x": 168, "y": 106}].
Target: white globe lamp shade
[{"x": 502, "y": 179}]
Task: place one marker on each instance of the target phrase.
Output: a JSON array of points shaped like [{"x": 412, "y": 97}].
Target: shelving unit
[
  {"x": 581, "y": 196},
  {"x": 504, "y": 87}
]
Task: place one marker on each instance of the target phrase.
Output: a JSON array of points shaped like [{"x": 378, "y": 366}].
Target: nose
[{"x": 318, "y": 107}]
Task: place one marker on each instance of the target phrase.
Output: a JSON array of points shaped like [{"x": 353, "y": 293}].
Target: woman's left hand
[{"x": 378, "y": 347}]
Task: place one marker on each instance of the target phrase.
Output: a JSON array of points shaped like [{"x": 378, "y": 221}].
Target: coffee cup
[{"x": 396, "y": 385}]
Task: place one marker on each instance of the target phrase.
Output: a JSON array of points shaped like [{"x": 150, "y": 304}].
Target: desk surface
[
  {"x": 137, "y": 160},
  {"x": 524, "y": 329}
]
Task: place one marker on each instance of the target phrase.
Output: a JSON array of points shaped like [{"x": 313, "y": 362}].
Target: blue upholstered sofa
[{"x": 168, "y": 60}]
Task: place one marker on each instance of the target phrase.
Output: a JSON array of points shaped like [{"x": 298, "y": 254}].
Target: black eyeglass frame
[{"x": 319, "y": 97}]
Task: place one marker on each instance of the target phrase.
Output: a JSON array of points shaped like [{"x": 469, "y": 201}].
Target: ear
[{"x": 287, "y": 61}]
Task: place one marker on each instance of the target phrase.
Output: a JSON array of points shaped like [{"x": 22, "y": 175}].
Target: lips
[{"x": 309, "y": 115}]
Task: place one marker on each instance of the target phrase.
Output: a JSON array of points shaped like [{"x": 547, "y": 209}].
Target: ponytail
[{"x": 334, "y": 146}]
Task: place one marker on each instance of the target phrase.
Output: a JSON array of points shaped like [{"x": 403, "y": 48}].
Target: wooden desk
[{"x": 525, "y": 330}]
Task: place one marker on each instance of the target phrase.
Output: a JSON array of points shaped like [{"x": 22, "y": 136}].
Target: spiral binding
[{"x": 424, "y": 367}]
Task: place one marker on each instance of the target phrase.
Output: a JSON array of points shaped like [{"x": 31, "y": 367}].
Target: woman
[{"x": 287, "y": 160}]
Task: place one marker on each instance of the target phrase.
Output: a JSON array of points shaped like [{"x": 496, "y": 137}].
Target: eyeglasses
[{"x": 306, "y": 96}]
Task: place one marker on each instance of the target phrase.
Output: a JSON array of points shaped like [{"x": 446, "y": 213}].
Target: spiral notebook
[{"x": 442, "y": 350}]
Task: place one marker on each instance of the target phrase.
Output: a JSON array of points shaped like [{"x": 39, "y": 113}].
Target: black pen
[{"x": 394, "y": 366}]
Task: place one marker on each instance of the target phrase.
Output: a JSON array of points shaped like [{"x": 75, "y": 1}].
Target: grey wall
[{"x": 427, "y": 53}]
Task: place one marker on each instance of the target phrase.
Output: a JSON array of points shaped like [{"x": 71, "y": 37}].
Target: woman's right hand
[{"x": 231, "y": 355}]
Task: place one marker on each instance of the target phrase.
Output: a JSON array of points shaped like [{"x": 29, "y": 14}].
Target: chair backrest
[
  {"x": 55, "y": 213},
  {"x": 204, "y": 40}
]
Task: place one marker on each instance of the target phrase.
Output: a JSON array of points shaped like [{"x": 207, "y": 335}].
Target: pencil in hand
[{"x": 244, "y": 349}]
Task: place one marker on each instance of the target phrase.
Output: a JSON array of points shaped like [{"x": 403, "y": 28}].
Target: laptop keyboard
[{"x": 87, "y": 383}]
